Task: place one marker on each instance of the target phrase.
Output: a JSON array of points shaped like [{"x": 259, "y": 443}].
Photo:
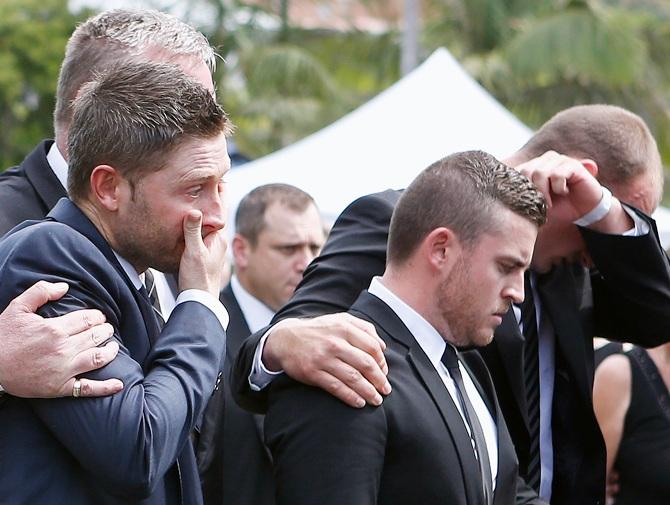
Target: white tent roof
[
  {"x": 662, "y": 217},
  {"x": 435, "y": 110}
]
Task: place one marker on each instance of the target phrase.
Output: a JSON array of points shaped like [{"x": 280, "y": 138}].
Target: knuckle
[
  {"x": 334, "y": 387},
  {"x": 369, "y": 367},
  {"x": 98, "y": 358},
  {"x": 329, "y": 348},
  {"x": 43, "y": 288},
  {"x": 86, "y": 388},
  {"x": 352, "y": 377},
  {"x": 94, "y": 336}
]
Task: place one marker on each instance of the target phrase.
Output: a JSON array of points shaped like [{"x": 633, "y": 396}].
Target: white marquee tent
[{"x": 435, "y": 110}]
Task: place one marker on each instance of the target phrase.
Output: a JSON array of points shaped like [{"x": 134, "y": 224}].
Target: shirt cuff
[
  {"x": 260, "y": 377},
  {"x": 208, "y": 300},
  {"x": 641, "y": 226}
]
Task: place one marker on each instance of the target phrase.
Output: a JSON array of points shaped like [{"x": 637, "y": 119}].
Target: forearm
[
  {"x": 147, "y": 425},
  {"x": 631, "y": 289}
]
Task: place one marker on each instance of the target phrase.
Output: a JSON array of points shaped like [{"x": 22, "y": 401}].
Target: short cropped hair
[
  {"x": 461, "y": 192},
  {"x": 121, "y": 36},
  {"x": 250, "y": 215},
  {"x": 616, "y": 139},
  {"x": 133, "y": 117}
]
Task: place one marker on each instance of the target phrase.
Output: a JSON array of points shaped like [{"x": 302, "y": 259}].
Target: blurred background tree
[
  {"x": 33, "y": 34},
  {"x": 294, "y": 66}
]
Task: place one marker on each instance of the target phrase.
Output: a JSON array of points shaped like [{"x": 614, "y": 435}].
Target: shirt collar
[
  {"x": 430, "y": 341},
  {"x": 130, "y": 272},
  {"x": 58, "y": 164},
  {"x": 256, "y": 313}
]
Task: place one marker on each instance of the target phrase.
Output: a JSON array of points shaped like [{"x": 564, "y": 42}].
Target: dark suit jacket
[
  {"x": 626, "y": 298},
  {"x": 30, "y": 190},
  {"x": 235, "y": 466},
  {"x": 414, "y": 448},
  {"x": 132, "y": 447}
]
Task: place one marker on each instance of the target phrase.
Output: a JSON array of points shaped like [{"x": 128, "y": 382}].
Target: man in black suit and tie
[
  {"x": 461, "y": 238},
  {"x": 608, "y": 276},
  {"x": 147, "y": 151},
  {"x": 30, "y": 190},
  {"x": 278, "y": 231}
]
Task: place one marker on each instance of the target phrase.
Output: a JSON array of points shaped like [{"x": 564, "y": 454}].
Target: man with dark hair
[
  {"x": 607, "y": 276},
  {"x": 148, "y": 154},
  {"x": 31, "y": 189},
  {"x": 278, "y": 231},
  {"x": 108, "y": 39},
  {"x": 461, "y": 237}
]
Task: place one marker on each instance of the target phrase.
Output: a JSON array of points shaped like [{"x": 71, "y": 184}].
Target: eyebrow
[
  {"x": 514, "y": 260},
  {"x": 200, "y": 176}
]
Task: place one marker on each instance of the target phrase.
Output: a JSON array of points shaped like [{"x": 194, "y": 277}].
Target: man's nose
[
  {"x": 515, "y": 290},
  {"x": 214, "y": 215},
  {"x": 304, "y": 257}
]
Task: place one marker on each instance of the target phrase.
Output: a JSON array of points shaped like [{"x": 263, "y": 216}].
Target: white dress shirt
[
  {"x": 256, "y": 313},
  {"x": 433, "y": 345}
]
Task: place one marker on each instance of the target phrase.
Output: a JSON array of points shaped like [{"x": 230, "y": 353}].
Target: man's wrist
[
  {"x": 260, "y": 376},
  {"x": 598, "y": 212},
  {"x": 268, "y": 359}
]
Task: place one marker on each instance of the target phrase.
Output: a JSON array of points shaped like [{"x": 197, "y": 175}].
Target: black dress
[{"x": 643, "y": 461}]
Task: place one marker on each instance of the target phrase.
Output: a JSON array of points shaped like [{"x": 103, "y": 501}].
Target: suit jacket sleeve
[
  {"x": 354, "y": 253},
  {"x": 631, "y": 287},
  {"x": 129, "y": 440},
  {"x": 329, "y": 454}
]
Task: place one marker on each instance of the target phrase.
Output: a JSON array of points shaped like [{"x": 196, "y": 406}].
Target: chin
[
  {"x": 166, "y": 266},
  {"x": 484, "y": 340}
]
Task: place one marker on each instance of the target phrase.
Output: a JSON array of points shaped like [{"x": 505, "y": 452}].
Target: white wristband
[{"x": 598, "y": 212}]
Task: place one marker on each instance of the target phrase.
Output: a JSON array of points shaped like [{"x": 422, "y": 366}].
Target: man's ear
[
  {"x": 441, "y": 247},
  {"x": 241, "y": 250},
  {"x": 106, "y": 186},
  {"x": 591, "y": 166}
]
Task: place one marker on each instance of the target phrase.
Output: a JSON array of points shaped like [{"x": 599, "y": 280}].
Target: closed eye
[{"x": 195, "y": 191}]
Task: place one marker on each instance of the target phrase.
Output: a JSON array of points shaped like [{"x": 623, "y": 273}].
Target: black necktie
[
  {"x": 450, "y": 361},
  {"x": 152, "y": 295},
  {"x": 531, "y": 375}
]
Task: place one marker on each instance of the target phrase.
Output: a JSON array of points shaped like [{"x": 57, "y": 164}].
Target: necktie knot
[{"x": 450, "y": 358}]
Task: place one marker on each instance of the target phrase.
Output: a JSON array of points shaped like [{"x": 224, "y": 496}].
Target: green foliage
[
  {"x": 578, "y": 44},
  {"x": 33, "y": 34},
  {"x": 280, "y": 83}
]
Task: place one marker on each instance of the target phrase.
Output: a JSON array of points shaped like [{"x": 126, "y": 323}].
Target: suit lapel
[
  {"x": 238, "y": 329},
  {"x": 68, "y": 213},
  {"x": 42, "y": 177},
  {"x": 381, "y": 314}
]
